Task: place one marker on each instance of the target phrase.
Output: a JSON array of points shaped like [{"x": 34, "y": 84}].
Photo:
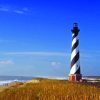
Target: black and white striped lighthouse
[{"x": 75, "y": 73}]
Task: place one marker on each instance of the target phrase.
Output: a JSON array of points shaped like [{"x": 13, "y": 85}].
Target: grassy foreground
[{"x": 46, "y": 89}]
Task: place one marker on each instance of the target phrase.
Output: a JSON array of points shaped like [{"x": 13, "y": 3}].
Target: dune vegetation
[{"x": 46, "y": 89}]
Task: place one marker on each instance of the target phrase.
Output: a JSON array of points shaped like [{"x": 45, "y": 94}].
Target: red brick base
[{"x": 75, "y": 77}]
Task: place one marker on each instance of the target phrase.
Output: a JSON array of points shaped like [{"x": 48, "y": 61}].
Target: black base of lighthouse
[{"x": 75, "y": 77}]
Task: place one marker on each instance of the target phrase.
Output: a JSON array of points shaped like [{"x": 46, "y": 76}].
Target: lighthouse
[{"x": 75, "y": 72}]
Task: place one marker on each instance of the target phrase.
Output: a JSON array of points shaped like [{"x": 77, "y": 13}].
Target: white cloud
[
  {"x": 18, "y": 11},
  {"x": 14, "y": 10},
  {"x": 21, "y": 11},
  {"x": 56, "y": 65},
  {"x": 37, "y": 53},
  {"x": 6, "y": 62}
]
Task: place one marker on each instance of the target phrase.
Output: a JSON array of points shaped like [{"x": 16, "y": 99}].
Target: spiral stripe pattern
[{"x": 75, "y": 65}]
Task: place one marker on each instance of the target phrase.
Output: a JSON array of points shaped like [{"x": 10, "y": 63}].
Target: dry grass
[{"x": 51, "y": 90}]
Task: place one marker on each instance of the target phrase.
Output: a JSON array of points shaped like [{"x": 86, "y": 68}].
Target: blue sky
[{"x": 35, "y": 36}]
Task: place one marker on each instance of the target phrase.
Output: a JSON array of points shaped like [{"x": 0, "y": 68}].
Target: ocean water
[{"x": 4, "y": 80}]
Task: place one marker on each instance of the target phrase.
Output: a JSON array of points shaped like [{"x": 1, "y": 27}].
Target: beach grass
[{"x": 48, "y": 89}]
